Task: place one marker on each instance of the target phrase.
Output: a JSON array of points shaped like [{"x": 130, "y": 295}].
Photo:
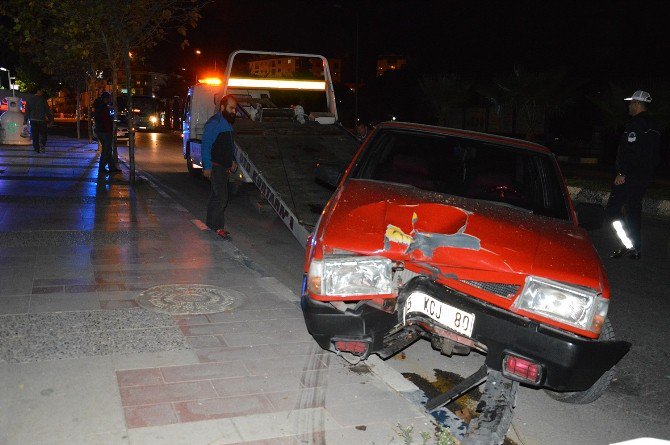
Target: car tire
[
  {"x": 496, "y": 410},
  {"x": 195, "y": 172},
  {"x": 599, "y": 387}
]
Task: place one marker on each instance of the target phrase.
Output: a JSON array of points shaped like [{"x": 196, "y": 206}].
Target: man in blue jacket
[{"x": 218, "y": 161}]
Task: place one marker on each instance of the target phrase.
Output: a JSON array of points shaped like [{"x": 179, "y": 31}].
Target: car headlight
[
  {"x": 153, "y": 119},
  {"x": 350, "y": 276},
  {"x": 575, "y": 306}
]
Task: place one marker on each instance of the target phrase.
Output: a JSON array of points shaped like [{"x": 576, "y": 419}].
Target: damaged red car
[{"x": 468, "y": 240}]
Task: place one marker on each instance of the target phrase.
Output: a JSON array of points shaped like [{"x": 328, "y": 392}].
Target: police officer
[{"x": 636, "y": 160}]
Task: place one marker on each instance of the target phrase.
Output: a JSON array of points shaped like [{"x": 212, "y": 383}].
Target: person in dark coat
[
  {"x": 218, "y": 161},
  {"x": 39, "y": 115},
  {"x": 636, "y": 160},
  {"x": 103, "y": 131}
]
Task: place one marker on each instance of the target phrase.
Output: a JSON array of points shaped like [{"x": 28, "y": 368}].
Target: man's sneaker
[
  {"x": 223, "y": 234},
  {"x": 628, "y": 253}
]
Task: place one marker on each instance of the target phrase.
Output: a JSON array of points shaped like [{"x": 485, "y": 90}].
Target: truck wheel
[
  {"x": 234, "y": 187},
  {"x": 599, "y": 387},
  {"x": 195, "y": 172}
]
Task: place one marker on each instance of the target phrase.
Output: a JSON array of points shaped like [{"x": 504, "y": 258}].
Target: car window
[{"x": 466, "y": 167}]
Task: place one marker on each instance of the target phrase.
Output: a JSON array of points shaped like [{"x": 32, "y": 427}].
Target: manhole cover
[{"x": 189, "y": 299}]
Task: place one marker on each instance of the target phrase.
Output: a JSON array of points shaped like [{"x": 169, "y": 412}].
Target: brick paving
[{"x": 82, "y": 362}]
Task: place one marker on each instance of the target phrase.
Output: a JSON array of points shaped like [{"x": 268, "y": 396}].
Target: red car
[{"x": 471, "y": 241}]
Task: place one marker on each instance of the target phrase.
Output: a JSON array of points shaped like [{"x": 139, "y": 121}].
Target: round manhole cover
[{"x": 189, "y": 299}]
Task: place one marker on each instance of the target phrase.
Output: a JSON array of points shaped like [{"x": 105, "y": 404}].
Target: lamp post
[
  {"x": 197, "y": 53},
  {"x": 9, "y": 76},
  {"x": 356, "y": 92}
]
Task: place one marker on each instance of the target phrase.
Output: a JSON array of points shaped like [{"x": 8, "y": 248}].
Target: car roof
[{"x": 487, "y": 137}]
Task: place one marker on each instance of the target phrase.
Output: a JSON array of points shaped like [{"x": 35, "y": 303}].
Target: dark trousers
[
  {"x": 38, "y": 131},
  {"x": 625, "y": 205},
  {"x": 106, "y": 153},
  {"x": 218, "y": 197}
]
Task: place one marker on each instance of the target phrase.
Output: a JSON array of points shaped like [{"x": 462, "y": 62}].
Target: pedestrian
[
  {"x": 362, "y": 131},
  {"x": 218, "y": 161},
  {"x": 636, "y": 160},
  {"x": 103, "y": 131},
  {"x": 39, "y": 115}
]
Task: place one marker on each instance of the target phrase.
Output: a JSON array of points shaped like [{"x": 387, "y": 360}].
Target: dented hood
[{"x": 457, "y": 235}]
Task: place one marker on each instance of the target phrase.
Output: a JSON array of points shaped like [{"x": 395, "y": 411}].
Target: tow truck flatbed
[{"x": 280, "y": 158}]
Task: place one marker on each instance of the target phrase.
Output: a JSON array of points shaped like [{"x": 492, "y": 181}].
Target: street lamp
[{"x": 9, "y": 76}]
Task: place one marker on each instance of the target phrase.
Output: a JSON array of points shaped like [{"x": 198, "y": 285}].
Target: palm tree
[
  {"x": 444, "y": 93},
  {"x": 530, "y": 95}
]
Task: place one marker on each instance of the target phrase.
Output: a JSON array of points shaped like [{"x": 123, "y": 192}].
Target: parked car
[
  {"x": 468, "y": 240},
  {"x": 122, "y": 133}
]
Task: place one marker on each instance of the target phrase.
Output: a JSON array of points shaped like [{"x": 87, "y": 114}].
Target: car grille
[
  {"x": 502, "y": 289},
  {"x": 401, "y": 277}
]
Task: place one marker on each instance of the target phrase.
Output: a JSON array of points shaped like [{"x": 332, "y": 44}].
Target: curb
[
  {"x": 577, "y": 160},
  {"x": 656, "y": 207}
]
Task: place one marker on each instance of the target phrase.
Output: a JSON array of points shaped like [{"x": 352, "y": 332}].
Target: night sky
[{"x": 477, "y": 39}]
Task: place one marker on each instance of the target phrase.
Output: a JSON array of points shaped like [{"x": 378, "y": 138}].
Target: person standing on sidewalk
[
  {"x": 636, "y": 160},
  {"x": 218, "y": 161},
  {"x": 103, "y": 131},
  {"x": 39, "y": 115}
]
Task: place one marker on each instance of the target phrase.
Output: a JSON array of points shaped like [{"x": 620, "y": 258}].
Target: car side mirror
[
  {"x": 328, "y": 174},
  {"x": 590, "y": 216}
]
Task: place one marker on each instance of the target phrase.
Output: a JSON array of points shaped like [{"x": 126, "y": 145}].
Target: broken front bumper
[{"x": 569, "y": 363}]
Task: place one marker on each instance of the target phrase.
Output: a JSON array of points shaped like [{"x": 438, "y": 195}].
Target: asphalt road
[{"x": 638, "y": 402}]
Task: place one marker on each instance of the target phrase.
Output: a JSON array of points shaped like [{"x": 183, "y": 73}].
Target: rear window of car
[{"x": 465, "y": 167}]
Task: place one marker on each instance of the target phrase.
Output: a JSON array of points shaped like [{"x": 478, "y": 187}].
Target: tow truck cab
[{"x": 201, "y": 103}]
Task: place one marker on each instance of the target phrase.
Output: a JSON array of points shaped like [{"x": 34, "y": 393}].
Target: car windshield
[{"x": 466, "y": 167}]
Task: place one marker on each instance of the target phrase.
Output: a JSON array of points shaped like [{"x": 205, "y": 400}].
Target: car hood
[{"x": 457, "y": 236}]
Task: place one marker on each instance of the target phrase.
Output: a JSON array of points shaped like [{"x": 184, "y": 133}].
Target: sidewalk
[
  {"x": 592, "y": 184},
  {"x": 92, "y": 353}
]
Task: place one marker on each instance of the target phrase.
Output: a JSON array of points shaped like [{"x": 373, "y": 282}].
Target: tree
[
  {"x": 83, "y": 36},
  {"x": 444, "y": 93},
  {"x": 133, "y": 26},
  {"x": 54, "y": 44},
  {"x": 530, "y": 95}
]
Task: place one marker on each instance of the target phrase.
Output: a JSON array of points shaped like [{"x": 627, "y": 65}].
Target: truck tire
[
  {"x": 195, "y": 172},
  {"x": 599, "y": 387}
]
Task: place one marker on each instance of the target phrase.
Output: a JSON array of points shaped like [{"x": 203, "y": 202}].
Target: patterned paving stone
[{"x": 189, "y": 299}]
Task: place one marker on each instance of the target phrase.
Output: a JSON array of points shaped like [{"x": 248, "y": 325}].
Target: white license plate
[{"x": 455, "y": 319}]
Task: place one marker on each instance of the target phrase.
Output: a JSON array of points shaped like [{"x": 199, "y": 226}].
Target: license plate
[{"x": 446, "y": 315}]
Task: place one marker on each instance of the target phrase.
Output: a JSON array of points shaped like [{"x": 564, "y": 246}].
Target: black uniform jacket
[{"x": 638, "y": 150}]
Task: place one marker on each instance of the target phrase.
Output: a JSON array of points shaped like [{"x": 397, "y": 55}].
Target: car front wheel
[{"x": 599, "y": 387}]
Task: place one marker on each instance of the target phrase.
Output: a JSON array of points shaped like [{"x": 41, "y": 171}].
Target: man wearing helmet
[{"x": 636, "y": 160}]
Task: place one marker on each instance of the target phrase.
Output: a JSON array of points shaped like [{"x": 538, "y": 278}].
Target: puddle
[
  {"x": 360, "y": 369},
  {"x": 464, "y": 407}
]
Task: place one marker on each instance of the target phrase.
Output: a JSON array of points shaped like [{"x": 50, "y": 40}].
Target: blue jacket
[{"x": 213, "y": 127}]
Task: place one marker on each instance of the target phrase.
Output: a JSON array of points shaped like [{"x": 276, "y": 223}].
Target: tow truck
[
  {"x": 467, "y": 240},
  {"x": 277, "y": 148}
]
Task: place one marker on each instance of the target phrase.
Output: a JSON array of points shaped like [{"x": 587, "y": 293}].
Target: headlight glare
[{"x": 576, "y": 306}]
